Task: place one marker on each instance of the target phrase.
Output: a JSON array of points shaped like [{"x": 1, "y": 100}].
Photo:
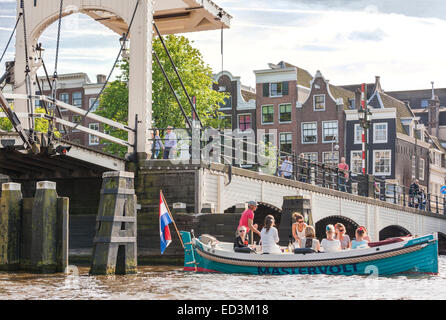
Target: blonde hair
[{"x": 309, "y": 232}]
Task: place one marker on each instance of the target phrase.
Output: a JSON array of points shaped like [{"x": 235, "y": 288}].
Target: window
[
  {"x": 330, "y": 158},
  {"x": 285, "y": 113},
  {"x": 93, "y": 140},
  {"x": 276, "y": 89},
  {"x": 268, "y": 138},
  {"x": 286, "y": 142},
  {"x": 64, "y": 97},
  {"x": 319, "y": 102},
  {"x": 421, "y": 169},
  {"x": 267, "y": 114},
  {"x": 226, "y": 104},
  {"x": 244, "y": 122},
  {"x": 356, "y": 162},
  {"x": 424, "y": 103},
  {"x": 90, "y": 104},
  {"x": 380, "y": 133},
  {"x": 309, "y": 132},
  {"x": 330, "y": 131},
  {"x": 312, "y": 156},
  {"x": 382, "y": 161},
  {"x": 358, "y": 134},
  {"x": 77, "y": 99},
  {"x": 414, "y": 166},
  {"x": 226, "y": 122},
  {"x": 76, "y": 120}
]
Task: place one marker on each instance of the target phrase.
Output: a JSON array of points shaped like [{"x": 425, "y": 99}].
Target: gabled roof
[
  {"x": 380, "y": 99},
  {"x": 304, "y": 78},
  {"x": 339, "y": 92}
]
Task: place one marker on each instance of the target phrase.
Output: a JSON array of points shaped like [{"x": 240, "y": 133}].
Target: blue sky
[{"x": 350, "y": 41}]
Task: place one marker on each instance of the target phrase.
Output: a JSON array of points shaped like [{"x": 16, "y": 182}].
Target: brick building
[
  {"x": 77, "y": 89},
  {"x": 301, "y": 113}
]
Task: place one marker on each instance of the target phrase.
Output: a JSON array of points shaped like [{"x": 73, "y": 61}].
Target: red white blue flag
[{"x": 165, "y": 220}]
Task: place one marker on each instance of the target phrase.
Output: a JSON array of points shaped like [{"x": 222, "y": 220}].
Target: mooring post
[
  {"x": 63, "y": 205},
  {"x": 114, "y": 246},
  {"x": 44, "y": 228},
  {"x": 292, "y": 204},
  {"x": 10, "y": 226}
]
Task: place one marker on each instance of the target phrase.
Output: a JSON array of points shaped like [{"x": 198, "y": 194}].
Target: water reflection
[{"x": 171, "y": 283}]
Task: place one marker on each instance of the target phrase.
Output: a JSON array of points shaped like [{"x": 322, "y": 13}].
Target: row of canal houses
[{"x": 303, "y": 113}]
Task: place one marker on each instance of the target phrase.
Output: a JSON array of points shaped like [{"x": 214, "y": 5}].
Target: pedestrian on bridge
[
  {"x": 286, "y": 169},
  {"x": 170, "y": 143},
  {"x": 157, "y": 144},
  {"x": 343, "y": 176}
]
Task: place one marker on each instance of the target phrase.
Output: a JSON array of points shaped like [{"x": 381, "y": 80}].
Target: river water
[{"x": 171, "y": 283}]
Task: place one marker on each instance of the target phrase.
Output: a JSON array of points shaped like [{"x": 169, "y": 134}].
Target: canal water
[{"x": 171, "y": 283}]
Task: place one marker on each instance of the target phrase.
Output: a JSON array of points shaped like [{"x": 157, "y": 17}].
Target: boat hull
[{"x": 419, "y": 255}]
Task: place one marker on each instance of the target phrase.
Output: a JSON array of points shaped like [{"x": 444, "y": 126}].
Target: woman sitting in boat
[
  {"x": 360, "y": 242},
  {"x": 298, "y": 229},
  {"x": 330, "y": 244},
  {"x": 341, "y": 236},
  {"x": 310, "y": 241},
  {"x": 366, "y": 234},
  {"x": 269, "y": 236},
  {"x": 240, "y": 240}
]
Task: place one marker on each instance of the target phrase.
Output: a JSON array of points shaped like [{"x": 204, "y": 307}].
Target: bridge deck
[{"x": 79, "y": 161}]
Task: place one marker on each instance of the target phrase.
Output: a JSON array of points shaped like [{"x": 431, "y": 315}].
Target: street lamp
[
  {"x": 364, "y": 115},
  {"x": 124, "y": 47},
  {"x": 336, "y": 147}
]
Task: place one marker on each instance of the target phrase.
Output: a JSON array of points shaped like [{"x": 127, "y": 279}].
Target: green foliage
[
  {"x": 196, "y": 76},
  {"x": 270, "y": 158}
]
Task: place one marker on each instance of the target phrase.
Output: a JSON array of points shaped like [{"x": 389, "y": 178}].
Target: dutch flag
[{"x": 165, "y": 220}]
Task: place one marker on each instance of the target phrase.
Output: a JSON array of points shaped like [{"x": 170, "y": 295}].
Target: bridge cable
[
  {"x": 51, "y": 89},
  {"x": 112, "y": 70},
  {"x": 10, "y": 38},
  {"x": 27, "y": 71},
  {"x": 55, "y": 76},
  {"x": 177, "y": 73},
  {"x": 172, "y": 89}
]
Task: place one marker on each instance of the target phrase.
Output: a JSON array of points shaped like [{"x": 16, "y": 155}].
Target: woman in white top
[
  {"x": 298, "y": 229},
  {"x": 330, "y": 244},
  {"x": 269, "y": 236}
]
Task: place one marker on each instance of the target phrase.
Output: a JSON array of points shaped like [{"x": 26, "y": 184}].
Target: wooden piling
[
  {"x": 114, "y": 246},
  {"x": 10, "y": 225},
  {"x": 44, "y": 228}
]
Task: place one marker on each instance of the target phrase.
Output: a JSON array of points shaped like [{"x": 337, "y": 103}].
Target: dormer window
[
  {"x": 319, "y": 102},
  {"x": 276, "y": 89}
]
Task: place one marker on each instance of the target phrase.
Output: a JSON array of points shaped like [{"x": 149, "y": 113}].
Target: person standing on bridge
[
  {"x": 170, "y": 143},
  {"x": 343, "y": 176},
  {"x": 286, "y": 169},
  {"x": 157, "y": 144},
  {"x": 247, "y": 220}
]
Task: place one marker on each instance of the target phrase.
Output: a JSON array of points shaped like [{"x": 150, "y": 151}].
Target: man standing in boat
[{"x": 247, "y": 220}]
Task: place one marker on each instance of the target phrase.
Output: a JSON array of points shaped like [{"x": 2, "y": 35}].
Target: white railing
[{"x": 76, "y": 110}]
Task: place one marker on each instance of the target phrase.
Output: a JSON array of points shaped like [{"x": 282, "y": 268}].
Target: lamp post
[
  {"x": 334, "y": 147},
  {"x": 364, "y": 115},
  {"x": 124, "y": 47},
  {"x": 416, "y": 150}
]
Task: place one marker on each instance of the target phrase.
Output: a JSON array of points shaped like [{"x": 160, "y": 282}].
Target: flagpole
[{"x": 171, "y": 217}]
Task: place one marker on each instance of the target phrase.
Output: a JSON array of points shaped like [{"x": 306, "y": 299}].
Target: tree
[{"x": 196, "y": 76}]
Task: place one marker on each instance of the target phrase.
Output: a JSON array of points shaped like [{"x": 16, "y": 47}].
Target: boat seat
[
  {"x": 303, "y": 251},
  {"x": 387, "y": 241},
  {"x": 243, "y": 250}
]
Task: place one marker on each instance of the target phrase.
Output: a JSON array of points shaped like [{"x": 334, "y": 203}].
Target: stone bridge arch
[
  {"x": 349, "y": 224},
  {"x": 393, "y": 231},
  {"x": 442, "y": 243}
]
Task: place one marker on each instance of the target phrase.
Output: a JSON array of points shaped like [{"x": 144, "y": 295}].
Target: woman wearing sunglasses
[
  {"x": 298, "y": 229},
  {"x": 342, "y": 236},
  {"x": 241, "y": 240}
]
